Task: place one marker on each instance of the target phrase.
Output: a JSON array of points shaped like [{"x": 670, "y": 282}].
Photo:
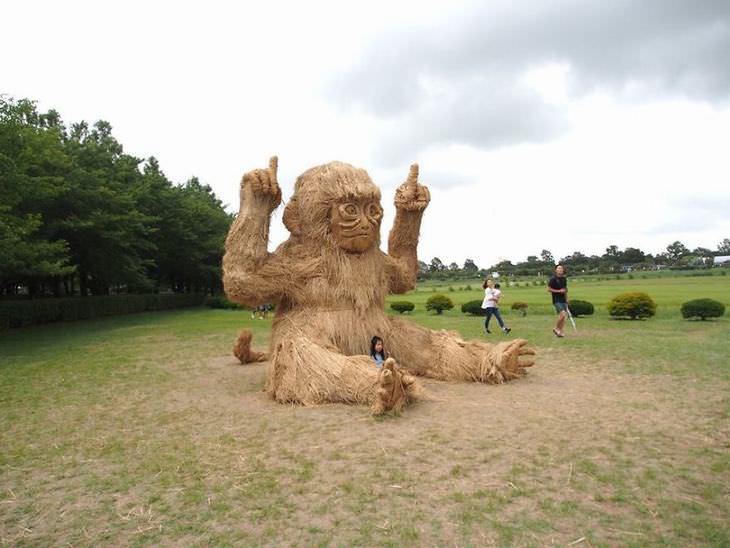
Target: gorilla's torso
[{"x": 337, "y": 299}]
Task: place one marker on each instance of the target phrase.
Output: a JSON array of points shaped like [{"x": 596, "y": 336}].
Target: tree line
[
  {"x": 79, "y": 216},
  {"x": 676, "y": 256}
]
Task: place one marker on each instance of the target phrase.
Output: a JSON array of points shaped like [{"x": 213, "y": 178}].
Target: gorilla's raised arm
[
  {"x": 251, "y": 275},
  {"x": 411, "y": 200}
]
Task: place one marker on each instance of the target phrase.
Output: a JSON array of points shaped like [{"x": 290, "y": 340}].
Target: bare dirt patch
[{"x": 204, "y": 456}]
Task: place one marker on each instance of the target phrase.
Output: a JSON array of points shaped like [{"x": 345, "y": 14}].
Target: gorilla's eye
[
  {"x": 348, "y": 210},
  {"x": 374, "y": 211}
]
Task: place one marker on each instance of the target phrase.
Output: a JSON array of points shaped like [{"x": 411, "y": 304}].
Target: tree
[
  {"x": 702, "y": 256},
  {"x": 75, "y": 208},
  {"x": 676, "y": 251},
  {"x": 702, "y": 252},
  {"x": 436, "y": 265},
  {"x": 505, "y": 267},
  {"x": 453, "y": 267},
  {"x": 470, "y": 266},
  {"x": 723, "y": 248},
  {"x": 632, "y": 255},
  {"x": 32, "y": 163},
  {"x": 547, "y": 257},
  {"x": 612, "y": 252}
]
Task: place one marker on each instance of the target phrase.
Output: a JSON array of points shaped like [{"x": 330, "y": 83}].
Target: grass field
[
  {"x": 142, "y": 430},
  {"x": 669, "y": 293}
]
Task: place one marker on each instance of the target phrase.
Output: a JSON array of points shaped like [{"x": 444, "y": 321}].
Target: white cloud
[{"x": 572, "y": 127}]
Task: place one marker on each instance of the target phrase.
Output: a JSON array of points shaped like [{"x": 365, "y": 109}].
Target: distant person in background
[
  {"x": 558, "y": 288},
  {"x": 261, "y": 311},
  {"x": 492, "y": 294}
]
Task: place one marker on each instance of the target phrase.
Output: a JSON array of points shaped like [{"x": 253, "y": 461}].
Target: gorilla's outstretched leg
[
  {"x": 444, "y": 355},
  {"x": 307, "y": 373}
]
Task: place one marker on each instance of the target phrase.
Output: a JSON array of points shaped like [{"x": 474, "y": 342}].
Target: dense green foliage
[
  {"x": 580, "y": 308},
  {"x": 439, "y": 303},
  {"x": 702, "y": 308},
  {"x": 220, "y": 302},
  {"x": 634, "y": 305},
  {"x": 474, "y": 308},
  {"x": 21, "y": 313},
  {"x": 402, "y": 306},
  {"x": 676, "y": 256},
  {"x": 79, "y": 216}
]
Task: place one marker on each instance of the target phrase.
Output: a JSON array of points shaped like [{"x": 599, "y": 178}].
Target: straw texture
[
  {"x": 242, "y": 349},
  {"x": 329, "y": 281}
]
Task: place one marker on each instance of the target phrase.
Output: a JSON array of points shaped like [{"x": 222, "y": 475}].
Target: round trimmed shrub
[
  {"x": 634, "y": 305},
  {"x": 702, "y": 309},
  {"x": 402, "y": 306},
  {"x": 439, "y": 303},
  {"x": 474, "y": 308},
  {"x": 580, "y": 308},
  {"x": 520, "y": 306}
]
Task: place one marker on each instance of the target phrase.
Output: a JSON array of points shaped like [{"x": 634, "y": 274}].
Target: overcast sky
[{"x": 567, "y": 126}]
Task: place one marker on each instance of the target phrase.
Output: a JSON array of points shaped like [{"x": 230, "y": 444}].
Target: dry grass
[{"x": 145, "y": 430}]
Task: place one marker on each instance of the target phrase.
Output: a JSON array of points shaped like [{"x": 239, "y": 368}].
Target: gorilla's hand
[
  {"x": 411, "y": 196},
  {"x": 260, "y": 189}
]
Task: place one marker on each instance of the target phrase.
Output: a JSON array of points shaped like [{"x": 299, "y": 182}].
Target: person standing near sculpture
[
  {"x": 492, "y": 294},
  {"x": 558, "y": 288}
]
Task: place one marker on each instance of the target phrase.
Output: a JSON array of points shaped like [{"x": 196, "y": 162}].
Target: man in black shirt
[{"x": 558, "y": 287}]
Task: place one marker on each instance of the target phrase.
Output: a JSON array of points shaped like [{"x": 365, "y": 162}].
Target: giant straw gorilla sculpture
[{"x": 329, "y": 281}]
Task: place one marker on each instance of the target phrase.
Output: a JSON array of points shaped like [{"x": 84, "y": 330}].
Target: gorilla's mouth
[{"x": 359, "y": 234}]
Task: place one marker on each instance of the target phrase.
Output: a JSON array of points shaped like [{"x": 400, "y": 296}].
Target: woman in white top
[{"x": 492, "y": 294}]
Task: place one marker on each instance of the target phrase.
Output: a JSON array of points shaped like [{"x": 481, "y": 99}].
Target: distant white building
[{"x": 722, "y": 259}]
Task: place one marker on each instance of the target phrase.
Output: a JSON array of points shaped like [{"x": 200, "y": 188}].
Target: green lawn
[
  {"x": 668, "y": 293},
  {"x": 142, "y": 430}
]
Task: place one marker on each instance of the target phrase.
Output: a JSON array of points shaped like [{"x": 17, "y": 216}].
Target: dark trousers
[{"x": 493, "y": 311}]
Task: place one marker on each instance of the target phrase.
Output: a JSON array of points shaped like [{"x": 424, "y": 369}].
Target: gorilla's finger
[
  {"x": 274, "y": 166},
  {"x": 412, "y": 175},
  {"x": 426, "y": 194}
]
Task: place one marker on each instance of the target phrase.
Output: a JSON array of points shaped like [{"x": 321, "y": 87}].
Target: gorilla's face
[{"x": 355, "y": 224}]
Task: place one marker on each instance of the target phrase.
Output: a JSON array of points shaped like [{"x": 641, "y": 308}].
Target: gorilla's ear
[{"x": 291, "y": 217}]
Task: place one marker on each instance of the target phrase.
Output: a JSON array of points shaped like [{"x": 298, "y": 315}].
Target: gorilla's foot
[{"x": 395, "y": 389}]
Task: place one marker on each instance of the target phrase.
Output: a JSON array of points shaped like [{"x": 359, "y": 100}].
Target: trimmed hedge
[
  {"x": 581, "y": 308},
  {"x": 38, "y": 311},
  {"x": 522, "y": 307},
  {"x": 703, "y": 308},
  {"x": 474, "y": 308},
  {"x": 439, "y": 303},
  {"x": 402, "y": 306},
  {"x": 634, "y": 305}
]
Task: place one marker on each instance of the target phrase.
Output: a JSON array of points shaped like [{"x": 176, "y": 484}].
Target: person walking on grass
[
  {"x": 558, "y": 288},
  {"x": 492, "y": 294}
]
